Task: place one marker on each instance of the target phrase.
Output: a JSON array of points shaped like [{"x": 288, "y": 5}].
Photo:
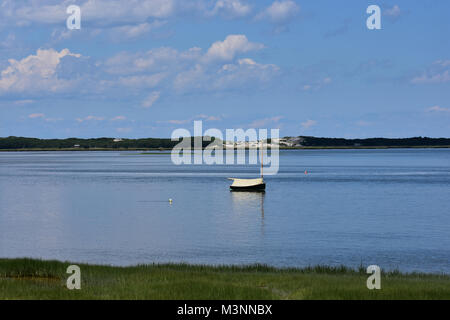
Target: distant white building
[{"x": 291, "y": 142}]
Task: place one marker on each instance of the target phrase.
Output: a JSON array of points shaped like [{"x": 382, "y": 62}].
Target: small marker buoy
[
  {"x": 306, "y": 171},
  {"x": 170, "y": 200}
]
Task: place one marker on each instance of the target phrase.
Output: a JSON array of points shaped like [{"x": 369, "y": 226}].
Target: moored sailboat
[{"x": 250, "y": 184}]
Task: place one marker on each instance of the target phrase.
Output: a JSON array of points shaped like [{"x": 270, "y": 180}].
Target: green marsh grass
[{"x": 38, "y": 279}]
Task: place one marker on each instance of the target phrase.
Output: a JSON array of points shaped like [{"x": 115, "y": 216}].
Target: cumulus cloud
[
  {"x": 135, "y": 31},
  {"x": 36, "y": 115},
  {"x": 42, "y": 116},
  {"x": 232, "y": 45},
  {"x": 119, "y": 118},
  {"x": 392, "y": 12},
  {"x": 340, "y": 30},
  {"x": 151, "y": 99},
  {"x": 232, "y": 76},
  {"x": 222, "y": 66},
  {"x": 438, "y": 109},
  {"x": 231, "y": 8},
  {"x": 203, "y": 117},
  {"x": 90, "y": 118},
  {"x": 208, "y": 118},
  {"x": 35, "y": 72},
  {"x": 133, "y": 15},
  {"x": 23, "y": 102},
  {"x": 439, "y": 72},
  {"x": 280, "y": 12},
  {"x": 243, "y": 72},
  {"x": 155, "y": 60},
  {"x": 316, "y": 85},
  {"x": 142, "y": 81},
  {"x": 260, "y": 123},
  {"x": 442, "y": 63},
  {"x": 97, "y": 12},
  {"x": 9, "y": 41},
  {"x": 432, "y": 78}
]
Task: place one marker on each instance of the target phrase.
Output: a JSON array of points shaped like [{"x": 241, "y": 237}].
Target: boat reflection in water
[{"x": 249, "y": 204}]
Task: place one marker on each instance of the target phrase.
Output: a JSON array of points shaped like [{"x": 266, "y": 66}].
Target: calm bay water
[{"x": 384, "y": 207}]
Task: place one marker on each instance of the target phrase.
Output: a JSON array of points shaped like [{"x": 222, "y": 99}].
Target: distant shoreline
[
  {"x": 151, "y": 144},
  {"x": 169, "y": 149}
]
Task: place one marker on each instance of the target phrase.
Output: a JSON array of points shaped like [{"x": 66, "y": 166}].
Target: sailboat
[{"x": 250, "y": 184}]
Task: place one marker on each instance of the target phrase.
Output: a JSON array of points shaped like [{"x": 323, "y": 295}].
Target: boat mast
[{"x": 262, "y": 157}]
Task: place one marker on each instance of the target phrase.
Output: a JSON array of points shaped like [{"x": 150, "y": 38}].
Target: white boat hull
[{"x": 248, "y": 184}]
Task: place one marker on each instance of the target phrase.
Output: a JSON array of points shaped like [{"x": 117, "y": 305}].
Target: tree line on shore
[
  {"x": 374, "y": 142},
  {"x": 21, "y": 143}
]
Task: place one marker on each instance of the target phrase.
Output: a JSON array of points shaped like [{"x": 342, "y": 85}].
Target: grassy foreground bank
[{"x": 36, "y": 279}]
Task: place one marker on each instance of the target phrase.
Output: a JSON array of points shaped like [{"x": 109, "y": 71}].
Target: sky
[{"x": 143, "y": 68}]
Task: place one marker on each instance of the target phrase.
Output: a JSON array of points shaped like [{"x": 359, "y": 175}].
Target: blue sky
[{"x": 144, "y": 68}]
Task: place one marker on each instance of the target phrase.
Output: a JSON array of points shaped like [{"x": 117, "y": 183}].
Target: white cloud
[
  {"x": 35, "y": 72},
  {"x": 317, "y": 84},
  {"x": 392, "y": 12},
  {"x": 231, "y": 8},
  {"x": 244, "y": 72},
  {"x": 62, "y": 34},
  {"x": 438, "y": 109},
  {"x": 308, "y": 124},
  {"x": 203, "y": 117},
  {"x": 9, "y": 41},
  {"x": 442, "y": 63},
  {"x": 208, "y": 118},
  {"x": 220, "y": 68},
  {"x": 142, "y": 81},
  {"x": 280, "y": 12},
  {"x": 119, "y": 118},
  {"x": 193, "y": 69},
  {"x": 432, "y": 78},
  {"x": 98, "y": 12},
  {"x": 438, "y": 72},
  {"x": 43, "y": 117},
  {"x": 242, "y": 75},
  {"x": 53, "y": 119},
  {"x": 190, "y": 79},
  {"x": 36, "y": 115},
  {"x": 31, "y": 11},
  {"x": 178, "y": 121},
  {"x": 260, "y": 123},
  {"x": 155, "y": 60},
  {"x": 23, "y": 102},
  {"x": 135, "y": 31},
  {"x": 127, "y": 11},
  {"x": 90, "y": 118},
  {"x": 232, "y": 45},
  {"x": 151, "y": 99}
]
